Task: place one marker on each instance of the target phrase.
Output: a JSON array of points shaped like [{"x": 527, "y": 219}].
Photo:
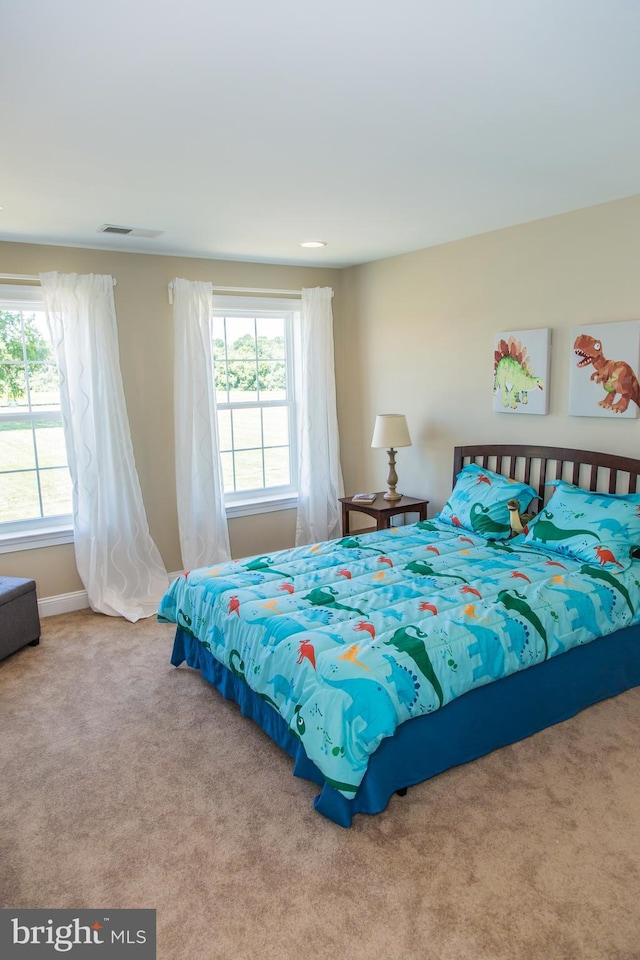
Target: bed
[{"x": 379, "y": 660}]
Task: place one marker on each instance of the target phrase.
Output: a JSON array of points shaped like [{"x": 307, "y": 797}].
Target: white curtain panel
[
  {"x": 202, "y": 519},
  {"x": 117, "y": 560},
  {"x": 319, "y": 473}
]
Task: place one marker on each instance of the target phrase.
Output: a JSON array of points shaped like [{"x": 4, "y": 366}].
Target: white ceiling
[{"x": 241, "y": 128}]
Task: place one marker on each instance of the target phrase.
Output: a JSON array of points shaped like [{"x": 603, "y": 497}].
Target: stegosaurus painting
[{"x": 515, "y": 375}]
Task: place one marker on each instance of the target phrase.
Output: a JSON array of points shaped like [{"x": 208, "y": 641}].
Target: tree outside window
[
  {"x": 34, "y": 475},
  {"x": 253, "y": 383}
]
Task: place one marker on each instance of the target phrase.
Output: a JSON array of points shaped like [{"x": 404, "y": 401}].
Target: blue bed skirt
[{"x": 475, "y": 724}]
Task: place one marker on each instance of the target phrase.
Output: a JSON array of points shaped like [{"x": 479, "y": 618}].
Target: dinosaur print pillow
[
  {"x": 600, "y": 529},
  {"x": 479, "y": 502}
]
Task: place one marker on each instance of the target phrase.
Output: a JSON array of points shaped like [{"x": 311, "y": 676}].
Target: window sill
[
  {"x": 249, "y": 508},
  {"x": 42, "y": 537},
  {"x": 35, "y": 538}
]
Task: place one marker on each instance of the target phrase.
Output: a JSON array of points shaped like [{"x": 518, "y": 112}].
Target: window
[
  {"x": 35, "y": 484},
  {"x": 254, "y": 384}
]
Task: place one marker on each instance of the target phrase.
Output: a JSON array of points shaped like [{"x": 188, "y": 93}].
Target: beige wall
[
  {"x": 418, "y": 334},
  {"x": 145, "y": 331},
  {"x": 413, "y": 334}
]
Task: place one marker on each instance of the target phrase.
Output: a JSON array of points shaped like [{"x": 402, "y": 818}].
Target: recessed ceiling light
[{"x": 313, "y": 243}]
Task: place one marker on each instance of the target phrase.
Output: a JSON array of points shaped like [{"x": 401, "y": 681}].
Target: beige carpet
[{"x": 127, "y": 783}]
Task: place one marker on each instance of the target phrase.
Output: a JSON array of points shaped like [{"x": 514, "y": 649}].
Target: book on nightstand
[{"x": 363, "y": 497}]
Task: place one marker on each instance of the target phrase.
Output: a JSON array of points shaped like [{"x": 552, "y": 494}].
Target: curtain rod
[
  {"x": 288, "y": 293},
  {"x": 18, "y": 276},
  {"x": 262, "y": 290},
  {"x": 31, "y": 277}
]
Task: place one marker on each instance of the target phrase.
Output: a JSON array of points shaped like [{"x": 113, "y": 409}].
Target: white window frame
[
  {"x": 266, "y": 499},
  {"x": 39, "y": 531}
]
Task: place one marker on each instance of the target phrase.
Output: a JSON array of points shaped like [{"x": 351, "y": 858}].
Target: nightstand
[{"x": 382, "y": 510}]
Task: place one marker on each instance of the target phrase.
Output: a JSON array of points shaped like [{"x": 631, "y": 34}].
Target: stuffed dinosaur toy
[{"x": 518, "y": 520}]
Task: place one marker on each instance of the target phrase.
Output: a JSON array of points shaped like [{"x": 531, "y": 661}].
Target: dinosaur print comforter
[{"x": 349, "y": 638}]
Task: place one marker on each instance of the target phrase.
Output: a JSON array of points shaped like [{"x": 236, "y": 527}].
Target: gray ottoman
[{"x": 19, "y": 618}]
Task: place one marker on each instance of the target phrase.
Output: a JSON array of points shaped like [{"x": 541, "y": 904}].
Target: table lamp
[{"x": 390, "y": 432}]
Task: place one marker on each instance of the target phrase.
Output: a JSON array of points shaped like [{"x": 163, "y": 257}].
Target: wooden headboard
[{"x": 537, "y": 465}]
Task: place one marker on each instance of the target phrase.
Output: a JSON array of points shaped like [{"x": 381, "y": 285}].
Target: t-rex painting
[{"x": 616, "y": 376}]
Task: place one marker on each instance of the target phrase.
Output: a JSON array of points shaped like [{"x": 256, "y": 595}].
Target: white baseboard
[
  {"x": 78, "y": 600},
  {"x": 63, "y": 603}
]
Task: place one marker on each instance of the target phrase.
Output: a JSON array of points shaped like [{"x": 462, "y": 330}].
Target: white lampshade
[{"x": 391, "y": 431}]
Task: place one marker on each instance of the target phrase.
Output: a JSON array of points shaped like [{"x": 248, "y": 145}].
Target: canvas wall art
[
  {"x": 521, "y": 362},
  {"x": 603, "y": 380}
]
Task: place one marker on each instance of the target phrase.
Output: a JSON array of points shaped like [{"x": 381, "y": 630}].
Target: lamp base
[{"x": 392, "y": 479}]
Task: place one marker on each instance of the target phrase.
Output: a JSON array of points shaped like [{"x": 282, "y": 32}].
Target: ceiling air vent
[
  {"x": 129, "y": 231},
  {"x": 110, "y": 228}
]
